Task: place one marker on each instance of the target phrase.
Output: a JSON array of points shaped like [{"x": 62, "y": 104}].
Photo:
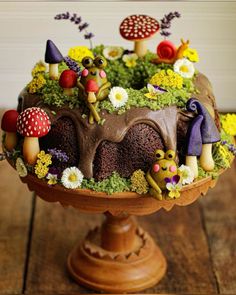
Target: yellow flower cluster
[
  {"x": 79, "y": 52},
  {"x": 37, "y": 83},
  {"x": 167, "y": 78},
  {"x": 225, "y": 154},
  {"x": 41, "y": 167},
  {"x": 39, "y": 68},
  {"x": 191, "y": 54},
  {"x": 139, "y": 183},
  {"x": 229, "y": 124}
]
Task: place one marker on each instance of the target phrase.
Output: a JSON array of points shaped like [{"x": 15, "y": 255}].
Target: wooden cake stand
[{"x": 118, "y": 257}]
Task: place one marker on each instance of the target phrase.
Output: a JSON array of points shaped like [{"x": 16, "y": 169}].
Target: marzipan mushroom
[
  {"x": 139, "y": 28},
  {"x": 8, "y": 125},
  {"x": 53, "y": 57},
  {"x": 68, "y": 80},
  {"x": 194, "y": 144},
  {"x": 209, "y": 133},
  {"x": 32, "y": 123}
]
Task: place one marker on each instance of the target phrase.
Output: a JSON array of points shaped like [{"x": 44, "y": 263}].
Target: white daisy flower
[
  {"x": 184, "y": 67},
  {"x": 118, "y": 96},
  {"x": 187, "y": 175},
  {"x": 72, "y": 177},
  {"x": 20, "y": 168},
  {"x": 112, "y": 52}
]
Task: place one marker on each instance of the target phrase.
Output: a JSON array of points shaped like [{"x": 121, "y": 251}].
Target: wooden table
[{"x": 199, "y": 241}]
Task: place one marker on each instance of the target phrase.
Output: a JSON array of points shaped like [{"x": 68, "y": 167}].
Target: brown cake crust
[{"x": 125, "y": 142}]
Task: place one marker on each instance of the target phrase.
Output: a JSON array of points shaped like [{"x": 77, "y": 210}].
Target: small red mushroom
[
  {"x": 91, "y": 87},
  {"x": 8, "y": 125},
  {"x": 68, "y": 81},
  {"x": 139, "y": 28},
  {"x": 32, "y": 123}
]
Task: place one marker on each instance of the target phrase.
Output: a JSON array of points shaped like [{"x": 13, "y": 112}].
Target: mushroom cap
[
  {"x": 68, "y": 79},
  {"x": 138, "y": 26},
  {"x": 209, "y": 131},
  {"x": 9, "y": 120},
  {"x": 52, "y": 54},
  {"x": 91, "y": 86},
  {"x": 33, "y": 122},
  {"x": 194, "y": 137}
]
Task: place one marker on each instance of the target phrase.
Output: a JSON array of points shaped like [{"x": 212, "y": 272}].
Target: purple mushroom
[
  {"x": 53, "y": 57},
  {"x": 209, "y": 133},
  {"x": 194, "y": 144}
]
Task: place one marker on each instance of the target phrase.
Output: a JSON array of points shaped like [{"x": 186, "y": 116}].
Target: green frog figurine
[
  {"x": 163, "y": 167},
  {"x": 93, "y": 84}
]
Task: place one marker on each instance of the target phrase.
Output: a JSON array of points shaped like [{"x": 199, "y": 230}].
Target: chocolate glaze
[{"x": 116, "y": 126}]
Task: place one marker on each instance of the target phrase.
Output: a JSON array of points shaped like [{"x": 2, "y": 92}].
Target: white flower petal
[
  {"x": 118, "y": 96},
  {"x": 187, "y": 174},
  {"x": 184, "y": 67},
  {"x": 72, "y": 177},
  {"x": 20, "y": 168},
  {"x": 112, "y": 52}
]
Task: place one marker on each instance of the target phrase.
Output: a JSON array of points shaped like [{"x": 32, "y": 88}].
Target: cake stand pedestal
[{"x": 119, "y": 256}]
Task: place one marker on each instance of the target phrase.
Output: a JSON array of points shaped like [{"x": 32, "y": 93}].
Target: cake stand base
[{"x": 119, "y": 257}]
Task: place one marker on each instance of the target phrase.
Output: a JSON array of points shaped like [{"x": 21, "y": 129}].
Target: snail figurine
[
  {"x": 168, "y": 53},
  {"x": 93, "y": 84},
  {"x": 163, "y": 167}
]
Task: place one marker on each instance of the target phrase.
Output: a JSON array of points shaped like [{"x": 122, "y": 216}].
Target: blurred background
[{"x": 25, "y": 27}]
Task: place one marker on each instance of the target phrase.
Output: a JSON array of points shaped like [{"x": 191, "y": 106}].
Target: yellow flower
[
  {"x": 40, "y": 67},
  {"x": 130, "y": 60},
  {"x": 167, "y": 79},
  {"x": 79, "y": 52},
  {"x": 36, "y": 84},
  {"x": 52, "y": 179},
  {"x": 229, "y": 124},
  {"x": 41, "y": 167},
  {"x": 139, "y": 183},
  {"x": 191, "y": 54},
  {"x": 45, "y": 158},
  {"x": 40, "y": 170}
]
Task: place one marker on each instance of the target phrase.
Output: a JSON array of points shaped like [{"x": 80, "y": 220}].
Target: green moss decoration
[
  {"x": 136, "y": 98},
  {"x": 113, "y": 184},
  {"x": 52, "y": 94},
  {"x": 139, "y": 183}
]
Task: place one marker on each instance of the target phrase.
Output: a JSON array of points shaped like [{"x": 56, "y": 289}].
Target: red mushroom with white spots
[
  {"x": 139, "y": 28},
  {"x": 32, "y": 123},
  {"x": 8, "y": 125}
]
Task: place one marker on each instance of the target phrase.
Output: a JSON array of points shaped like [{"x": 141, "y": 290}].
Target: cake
[{"x": 111, "y": 119}]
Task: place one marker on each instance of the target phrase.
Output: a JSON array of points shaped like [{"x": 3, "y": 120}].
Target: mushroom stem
[
  {"x": 91, "y": 97},
  {"x": 53, "y": 71},
  {"x": 68, "y": 91},
  {"x": 191, "y": 162},
  {"x": 140, "y": 48},
  {"x": 206, "y": 160},
  {"x": 10, "y": 141},
  {"x": 31, "y": 149}
]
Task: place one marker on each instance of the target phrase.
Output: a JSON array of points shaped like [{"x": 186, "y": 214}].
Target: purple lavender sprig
[
  {"x": 77, "y": 20},
  {"x": 59, "y": 155},
  {"x": 166, "y": 23},
  {"x": 72, "y": 65}
]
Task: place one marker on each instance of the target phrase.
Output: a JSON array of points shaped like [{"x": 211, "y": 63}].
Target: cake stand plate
[{"x": 119, "y": 256}]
